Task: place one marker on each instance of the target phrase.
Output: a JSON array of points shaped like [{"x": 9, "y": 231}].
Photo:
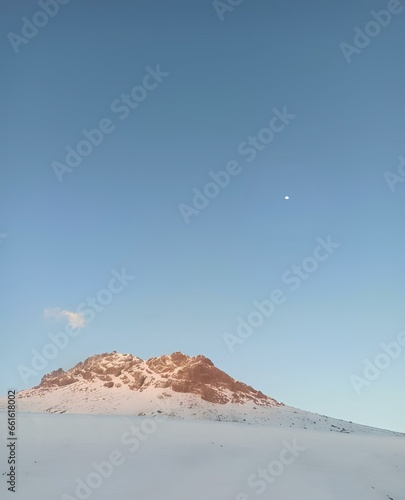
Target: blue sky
[{"x": 119, "y": 208}]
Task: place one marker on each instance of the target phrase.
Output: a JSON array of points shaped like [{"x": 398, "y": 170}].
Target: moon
[{"x": 286, "y": 197}]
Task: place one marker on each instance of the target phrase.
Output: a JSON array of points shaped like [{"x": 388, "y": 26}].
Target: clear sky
[{"x": 213, "y": 86}]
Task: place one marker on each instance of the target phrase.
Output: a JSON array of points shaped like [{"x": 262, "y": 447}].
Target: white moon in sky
[{"x": 286, "y": 197}]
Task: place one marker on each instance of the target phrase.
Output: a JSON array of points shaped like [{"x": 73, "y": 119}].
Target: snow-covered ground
[
  {"x": 295, "y": 455},
  {"x": 87, "y": 441}
]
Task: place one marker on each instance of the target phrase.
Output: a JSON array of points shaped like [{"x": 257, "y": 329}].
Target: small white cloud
[{"x": 75, "y": 319}]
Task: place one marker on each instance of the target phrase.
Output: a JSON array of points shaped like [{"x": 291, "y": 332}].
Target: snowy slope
[
  {"x": 146, "y": 459},
  {"x": 97, "y": 399},
  {"x": 174, "y": 385}
]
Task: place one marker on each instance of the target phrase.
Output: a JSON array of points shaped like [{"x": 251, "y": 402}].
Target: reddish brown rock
[{"x": 184, "y": 374}]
